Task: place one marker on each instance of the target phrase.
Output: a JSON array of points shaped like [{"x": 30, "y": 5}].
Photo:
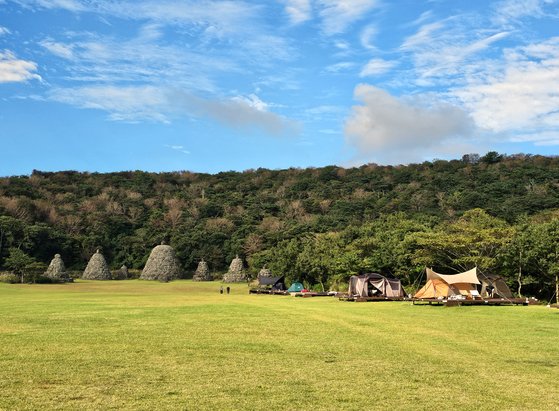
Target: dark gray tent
[
  {"x": 272, "y": 283},
  {"x": 493, "y": 285},
  {"x": 375, "y": 285}
]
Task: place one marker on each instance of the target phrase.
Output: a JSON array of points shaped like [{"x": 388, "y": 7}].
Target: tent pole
[{"x": 557, "y": 289}]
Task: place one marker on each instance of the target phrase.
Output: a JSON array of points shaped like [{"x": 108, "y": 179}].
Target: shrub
[{"x": 9, "y": 278}]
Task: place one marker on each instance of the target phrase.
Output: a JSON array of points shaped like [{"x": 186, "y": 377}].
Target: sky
[{"x": 219, "y": 85}]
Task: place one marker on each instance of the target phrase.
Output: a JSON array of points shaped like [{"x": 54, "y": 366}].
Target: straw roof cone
[
  {"x": 162, "y": 264},
  {"x": 264, "y": 272},
  {"x": 97, "y": 268},
  {"x": 236, "y": 271},
  {"x": 122, "y": 273},
  {"x": 56, "y": 269},
  {"x": 202, "y": 272}
]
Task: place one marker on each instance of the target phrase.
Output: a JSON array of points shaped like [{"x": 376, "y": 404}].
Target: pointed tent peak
[
  {"x": 467, "y": 277},
  {"x": 57, "y": 256},
  {"x": 123, "y": 266}
]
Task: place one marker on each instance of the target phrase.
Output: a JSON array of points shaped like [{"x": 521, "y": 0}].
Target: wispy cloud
[
  {"x": 141, "y": 103},
  {"x": 70, "y": 5},
  {"x": 14, "y": 70},
  {"x": 521, "y": 95},
  {"x": 4, "y": 31},
  {"x": 423, "y": 36},
  {"x": 376, "y": 66},
  {"x": 367, "y": 36},
  {"x": 178, "y": 148},
  {"x": 510, "y": 11},
  {"x": 298, "y": 10},
  {"x": 338, "y": 15},
  {"x": 339, "y": 67},
  {"x": 58, "y": 49},
  {"x": 383, "y": 125},
  {"x": 446, "y": 51},
  {"x": 131, "y": 104},
  {"x": 248, "y": 113}
]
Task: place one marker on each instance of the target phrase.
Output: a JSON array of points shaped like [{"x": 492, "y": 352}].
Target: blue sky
[{"x": 209, "y": 86}]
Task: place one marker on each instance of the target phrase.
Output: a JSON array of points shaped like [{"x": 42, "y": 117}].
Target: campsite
[{"x": 181, "y": 345}]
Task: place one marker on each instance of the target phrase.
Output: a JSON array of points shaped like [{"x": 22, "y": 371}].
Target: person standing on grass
[
  {"x": 228, "y": 289},
  {"x": 221, "y": 290}
]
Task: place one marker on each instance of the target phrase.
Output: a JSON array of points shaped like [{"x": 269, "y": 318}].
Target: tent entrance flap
[{"x": 375, "y": 285}]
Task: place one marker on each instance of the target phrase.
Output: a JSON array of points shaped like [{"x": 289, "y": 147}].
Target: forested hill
[{"x": 379, "y": 218}]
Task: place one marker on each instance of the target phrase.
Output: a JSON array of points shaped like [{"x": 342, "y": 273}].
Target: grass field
[{"x": 181, "y": 345}]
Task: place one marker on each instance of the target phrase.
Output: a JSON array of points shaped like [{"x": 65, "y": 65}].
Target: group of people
[{"x": 228, "y": 289}]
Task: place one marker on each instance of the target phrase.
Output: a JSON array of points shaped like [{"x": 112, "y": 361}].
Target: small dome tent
[{"x": 296, "y": 287}]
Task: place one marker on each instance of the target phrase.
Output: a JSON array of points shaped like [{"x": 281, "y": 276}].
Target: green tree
[
  {"x": 474, "y": 240},
  {"x": 21, "y": 263}
]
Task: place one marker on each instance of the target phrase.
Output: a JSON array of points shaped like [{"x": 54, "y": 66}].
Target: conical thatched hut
[
  {"x": 236, "y": 271},
  {"x": 122, "y": 273},
  {"x": 202, "y": 272},
  {"x": 56, "y": 269},
  {"x": 162, "y": 264},
  {"x": 264, "y": 272},
  {"x": 97, "y": 268}
]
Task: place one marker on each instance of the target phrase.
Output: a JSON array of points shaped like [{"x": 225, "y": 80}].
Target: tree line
[{"x": 316, "y": 225}]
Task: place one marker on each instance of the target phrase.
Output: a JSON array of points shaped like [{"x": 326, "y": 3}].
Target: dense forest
[{"x": 317, "y": 225}]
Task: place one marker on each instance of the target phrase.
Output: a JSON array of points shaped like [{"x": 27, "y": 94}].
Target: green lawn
[{"x": 181, "y": 345}]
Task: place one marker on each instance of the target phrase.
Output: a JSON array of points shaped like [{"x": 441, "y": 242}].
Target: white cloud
[
  {"x": 339, "y": 67},
  {"x": 70, "y": 5},
  {"x": 375, "y": 67},
  {"x": 508, "y": 11},
  {"x": 337, "y": 15},
  {"x": 14, "y": 70},
  {"x": 4, "y": 31},
  {"x": 298, "y": 10},
  {"x": 238, "y": 113},
  {"x": 423, "y": 36},
  {"x": 58, "y": 49},
  {"x": 390, "y": 129},
  {"x": 178, "y": 148},
  {"x": 141, "y": 103},
  {"x": 446, "y": 52},
  {"x": 253, "y": 101},
  {"x": 522, "y": 96},
  {"x": 130, "y": 104},
  {"x": 367, "y": 36}
]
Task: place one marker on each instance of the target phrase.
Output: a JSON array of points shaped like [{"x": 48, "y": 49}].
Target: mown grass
[{"x": 147, "y": 345}]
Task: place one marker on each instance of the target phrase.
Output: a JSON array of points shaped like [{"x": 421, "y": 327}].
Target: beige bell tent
[
  {"x": 449, "y": 285},
  {"x": 375, "y": 285}
]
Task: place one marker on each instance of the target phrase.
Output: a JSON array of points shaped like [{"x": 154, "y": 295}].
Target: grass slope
[{"x": 181, "y": 345}]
